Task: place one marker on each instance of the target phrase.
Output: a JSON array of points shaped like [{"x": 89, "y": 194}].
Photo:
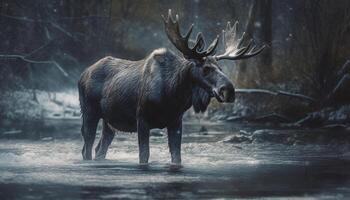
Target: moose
[{"x": 155, "y": 92}]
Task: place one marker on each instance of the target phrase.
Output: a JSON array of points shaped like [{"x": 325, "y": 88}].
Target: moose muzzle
[{"x": 224, "y": 93}]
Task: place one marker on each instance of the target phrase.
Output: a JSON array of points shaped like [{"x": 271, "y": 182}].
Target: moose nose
[{"x": 227, "y": 91}]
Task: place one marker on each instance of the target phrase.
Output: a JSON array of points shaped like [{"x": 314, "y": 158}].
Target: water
[{"x": 48, "y": 169}]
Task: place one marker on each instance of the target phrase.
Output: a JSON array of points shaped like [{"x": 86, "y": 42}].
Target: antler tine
[
  {"x": 212, "y": 47},
  {"x": 232, "y": 44},
  {"x": 251, "y": 53},
  {"x": 241, "y": 40},
  {"x": 235, "y": 27},
  {"x": 200, "y": 43},
  {"x": 172, "y": 30},
  {"x": 188, "y": 34},
  {"x": 248, "y": 47}
]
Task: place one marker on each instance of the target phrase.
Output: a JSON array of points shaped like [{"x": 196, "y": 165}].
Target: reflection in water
[{"x": 212, "y": 169}]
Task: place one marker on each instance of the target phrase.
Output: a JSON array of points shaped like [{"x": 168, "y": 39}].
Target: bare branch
[
  {"x": 299, "y": 96},
  {"x": 344, "y": 69},
  {"x": 54, "y": 25},
  {"x": 38, "y": 49},
  {"x": 22, "y": 18},
  {"x": 250, "y": 91},
  {"x": 58, "y": 27},
  {"x": 340, "y": 91},
  {"x": 58, "y": 19},
  {"x": 276, "y": 93},
  {"x": 85, "y": 17},
  {"x": 36, "y": 62}
]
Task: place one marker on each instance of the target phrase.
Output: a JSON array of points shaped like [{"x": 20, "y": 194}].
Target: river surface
[{"x": 52, "y": 168}]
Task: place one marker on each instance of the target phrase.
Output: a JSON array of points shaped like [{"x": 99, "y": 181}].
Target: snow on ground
[
  {"x": 21, "y": 105},
  {"x": 60, "y": 104}
]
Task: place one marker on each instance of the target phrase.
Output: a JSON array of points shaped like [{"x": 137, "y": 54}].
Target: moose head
[{"x": 207, "y": 73}]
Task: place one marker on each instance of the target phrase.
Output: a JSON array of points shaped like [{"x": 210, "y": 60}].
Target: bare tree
[{"x": 320, "y": 31}]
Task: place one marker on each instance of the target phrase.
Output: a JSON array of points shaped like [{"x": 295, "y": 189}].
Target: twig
[
  {"x": 343, "y": 69},
  {"x": 263, "y": 91},
  {"x": 37, "y": 62},
  {"x": 58, "y": 27},
  {"x": 58, "y": 19},
  {"x": 54, "y": 25},
  {"x": 276, "y": 93},
  {"x": 300, "y": 96},
  {"x": 83, "y": 17},
  {"x": 22, "y": 18},
  {"x": 342, "y": 83},
  {"x": 38, "y": 49}
]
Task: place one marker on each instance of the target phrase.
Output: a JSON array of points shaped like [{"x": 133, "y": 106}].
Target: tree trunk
[
  {"x": 263, "y": 27},
  {"x": 258, "y": 26}
]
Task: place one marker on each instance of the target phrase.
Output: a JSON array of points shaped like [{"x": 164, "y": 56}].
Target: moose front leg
[
  {"x": 174, "y": 141},
  {"x": 143, "y": 138}
]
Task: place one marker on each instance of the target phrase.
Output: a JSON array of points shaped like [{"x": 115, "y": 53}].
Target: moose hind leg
[
  {"x": 88, "y": 130},
  {"x": 105, "y": 141},
  {"x": 143, "y": 139},
  {"x": 174, "y": 141}
]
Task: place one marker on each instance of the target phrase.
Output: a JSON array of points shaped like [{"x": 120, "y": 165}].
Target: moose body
[
  {"x": 121, "y": 89},
  {"x": 136, "y": 96}
]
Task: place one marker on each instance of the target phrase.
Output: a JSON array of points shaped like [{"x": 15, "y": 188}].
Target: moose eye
[{"x": 207, "y": 70}]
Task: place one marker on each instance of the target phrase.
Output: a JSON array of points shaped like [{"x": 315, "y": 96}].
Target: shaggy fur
[{"x": 140, "y": 95}]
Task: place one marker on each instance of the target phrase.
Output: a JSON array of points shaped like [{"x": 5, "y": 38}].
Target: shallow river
[{"x": 53, "y": 168}]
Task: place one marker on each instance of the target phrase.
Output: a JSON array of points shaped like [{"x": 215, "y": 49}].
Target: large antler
[
  {"x": 232, "y": 44},
  {"x": 172, "y": 30}
]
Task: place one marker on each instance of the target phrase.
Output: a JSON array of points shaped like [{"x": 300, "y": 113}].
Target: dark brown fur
[{"x": 141, "y": 95}]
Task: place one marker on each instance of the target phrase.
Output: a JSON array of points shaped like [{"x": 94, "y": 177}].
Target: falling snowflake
[{"x": 257, "y": 24}]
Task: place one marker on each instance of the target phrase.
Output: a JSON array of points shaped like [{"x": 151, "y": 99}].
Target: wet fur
[{"x": 158, "y": 88}]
